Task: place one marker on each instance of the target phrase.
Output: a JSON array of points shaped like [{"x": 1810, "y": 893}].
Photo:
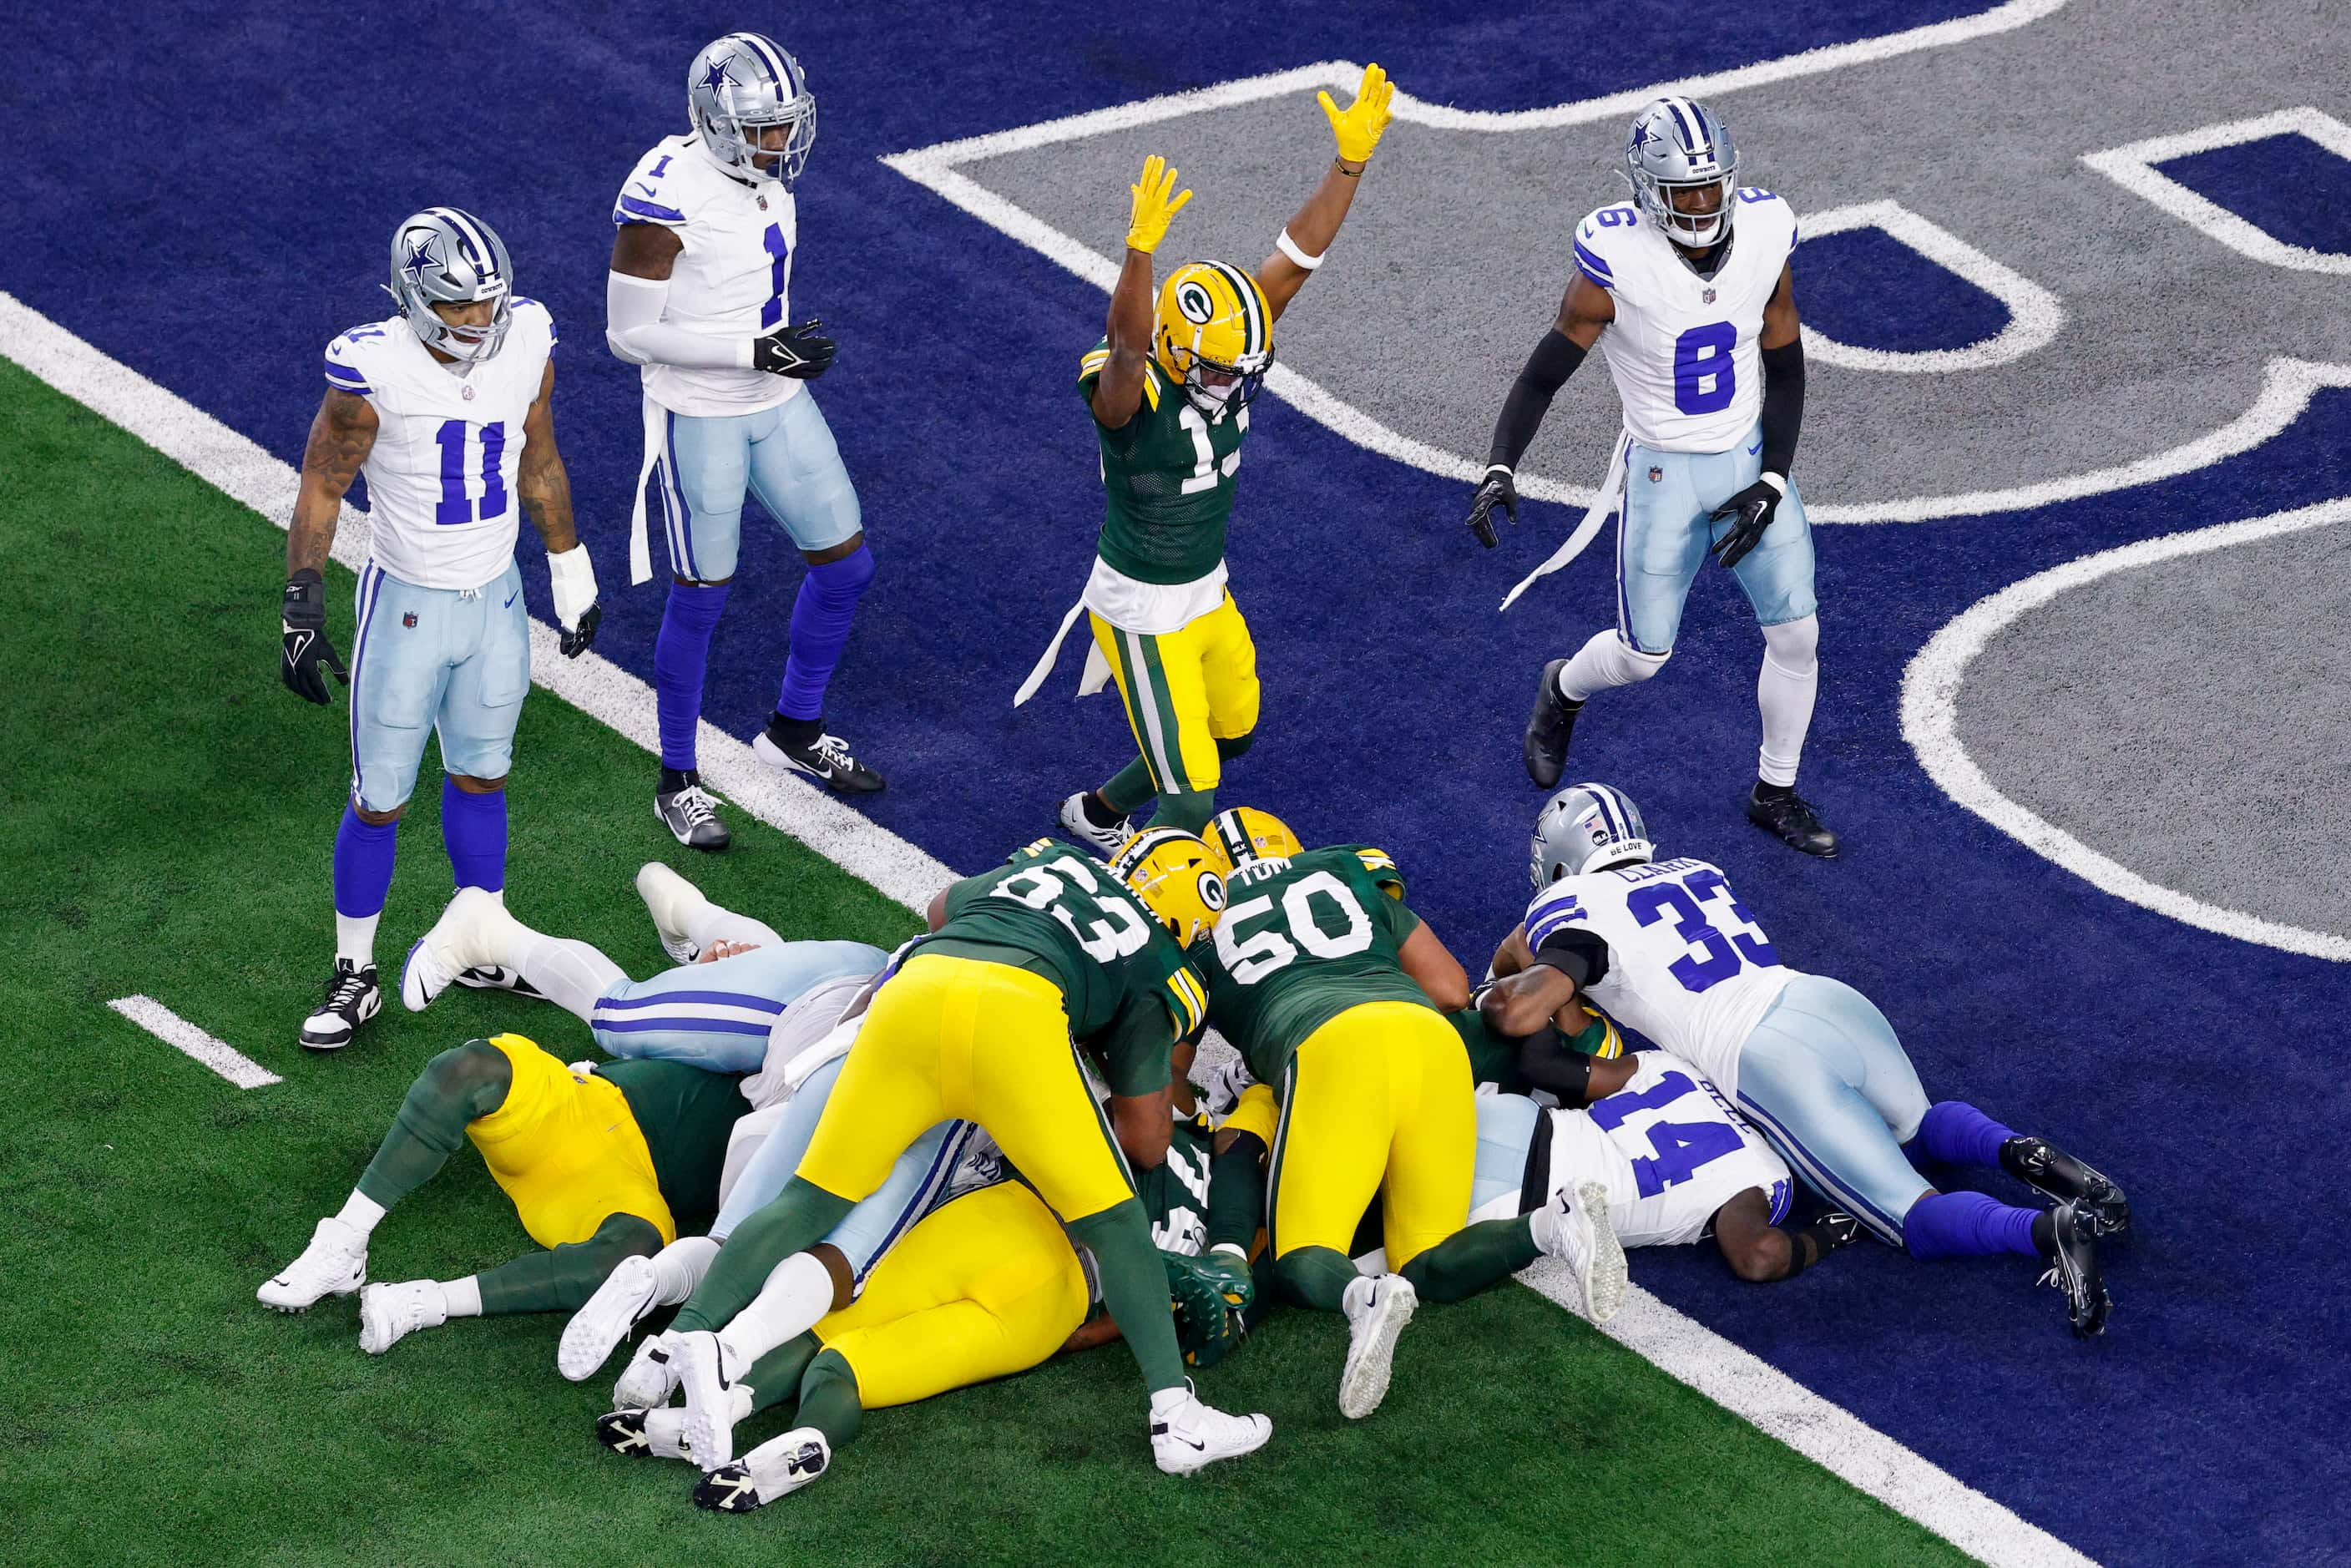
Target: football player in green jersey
[
  {"x": 1336, "y": 994},
  {"x": 1169, "y": 389}
]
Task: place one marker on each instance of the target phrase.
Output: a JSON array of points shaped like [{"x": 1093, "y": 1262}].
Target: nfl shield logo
[
  {"x": 467, "y": 391},
  {"x": 409, "y": 619},
  {"x": 1657, "y": 476},
  {"x": 763, "y": 204},
  {"x": 1708, "y": 296}
]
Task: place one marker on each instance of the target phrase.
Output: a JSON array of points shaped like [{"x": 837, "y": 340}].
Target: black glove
[
  {"x": 1753, "y": 507},
  {"x": 794, "y": 351},
  {"x": 575, "y": 642},
  {"x": 303, "y": 615},
  {"x": 1497, "y": 489}
]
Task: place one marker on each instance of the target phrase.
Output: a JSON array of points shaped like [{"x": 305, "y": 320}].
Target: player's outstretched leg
[
  {"x": 472, "y": 931},
  {"x": 681, "y": 659},
  {"x": 686, "y": 921},
  {"x": 1957, "y": 1133},
  {"x": 630, "y": 1293},
  {"x": 363, "y": 862}
]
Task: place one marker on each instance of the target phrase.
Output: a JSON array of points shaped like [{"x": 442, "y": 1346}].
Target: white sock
[
  {"x": 1604, "y": 661},
  {"x": 679, "y": 1266},
  {"x": 355, "y": 937},
  {"x": 569, "y": 972},
  {"x": 360, "y": 1212},
  {"x": 462, "y": 1298},
  {"x": 798, "y": 1293},
  {"x": 1784, "y": 691}
]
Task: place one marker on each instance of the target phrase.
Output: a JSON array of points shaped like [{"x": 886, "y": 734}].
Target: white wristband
[
  {"x": 572, "y": 576},
  {"x": 1289, "y": 248},
  {"x": 1777, "y": 483}
]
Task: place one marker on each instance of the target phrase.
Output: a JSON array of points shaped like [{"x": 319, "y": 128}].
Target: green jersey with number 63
[
  {"x": 1056, "y": 912},
  {"x": 1301, "y": 940},
  {"x": 1169, "y": 473}
]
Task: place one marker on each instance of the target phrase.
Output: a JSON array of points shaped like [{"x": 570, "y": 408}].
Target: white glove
[{"x": 573, "y": 577}]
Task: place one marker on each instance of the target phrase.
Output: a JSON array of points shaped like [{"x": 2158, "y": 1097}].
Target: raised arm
[
  {"x": 1303, "y": 243},
  {"x": 342, "y": 433},
  {"x": 1154, "y": 203},
  {"x": 546, "y": 489},
  {"x": 1584, "y": 312}
]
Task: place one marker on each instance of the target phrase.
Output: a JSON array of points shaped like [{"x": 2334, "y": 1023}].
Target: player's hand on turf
[
  {"x": 1499, "y": 489},
  {"x": 305, "y": 655},
  {"x": 1156, "y": 203},
  {"x": 795, "y": 352},
  {"x": 1753, "y": 508},
  {"x": 1359, "y": 126}
]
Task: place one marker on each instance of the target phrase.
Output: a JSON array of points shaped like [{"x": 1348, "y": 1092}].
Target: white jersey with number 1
[
  {"x": 1688, "y": 966},
  {"x": 733, "y": 279},
  {"x": 1683, "y": 350}
]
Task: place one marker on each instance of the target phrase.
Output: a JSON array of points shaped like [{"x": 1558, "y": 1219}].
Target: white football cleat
[
  {"x": 1196, "y": 1435},
  {"x": 1378, "y": 1310},
  {"x": 619, "y": 1303},
  {"x": 1104, "y": 842},
  {"x": 334, "y": 1264},
  {"x": 651, "y": 1376},
  {"x": 774, "y": 1469},
  {"x": 1574, "y": 1227},
  {"x": 667, "y": 897},
  {"x": 390, "y": 1313},
  {"x": 644, "y": 1434},
  {"x": 701, "y": 1360},
  {"x": 462, "y": 939}
]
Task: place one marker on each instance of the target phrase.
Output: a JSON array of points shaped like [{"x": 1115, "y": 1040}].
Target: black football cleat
[
  {"x": 691, "y": 814},
  {"x": 353, "y": 998},
  {"x": 2074, "y": 1269},
  {"x": 2044, "y": 1166},
  {"x": 1791, "y": 818},
  {"x": 1548, "y": 728},
  {"x": 826, "y": 758}
]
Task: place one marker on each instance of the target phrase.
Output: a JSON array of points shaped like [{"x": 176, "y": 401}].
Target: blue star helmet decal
[
  {"x": 422, "y": 259},
  {"x": 1640, "y": 136},
  {"x": 717, "y": 75}
]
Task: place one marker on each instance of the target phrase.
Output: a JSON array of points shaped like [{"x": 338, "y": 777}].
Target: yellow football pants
[
  {"x": 566, "y": 1149},
  {"x": 1185, "y": 690},
  {"x": 985, "y": 1287},
  {"x": 952, "y": 1038},
  {"x": 1378, "y": 1100}
]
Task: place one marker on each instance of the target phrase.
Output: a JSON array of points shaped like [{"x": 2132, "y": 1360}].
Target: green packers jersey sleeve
[{"x": 1167, "y": 478}]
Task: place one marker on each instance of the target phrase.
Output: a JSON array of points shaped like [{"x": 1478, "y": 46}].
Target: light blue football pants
[
  {"x": 447, "y": 660},
  {"x": 916, "y": 1183},
  {"x": 1506, "y": 1131},
  {"x": 1663, "y": 533},
  {"x": 785, "y": 456},
  {"x": 716, "y": 1015},
  {"x": 1825, "y": 1078}
]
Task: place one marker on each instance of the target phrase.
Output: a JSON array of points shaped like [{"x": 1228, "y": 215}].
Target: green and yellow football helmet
[
  {"x": 1213, "y": 335},
  {"x": 1175, "y": 875},
  {"x": 1239, "y": 833}
]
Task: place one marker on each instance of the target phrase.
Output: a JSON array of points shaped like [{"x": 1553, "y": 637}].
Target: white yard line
[
  {"x": 187, "y": 1038},
  {"x": 1687, "y": 1350}
]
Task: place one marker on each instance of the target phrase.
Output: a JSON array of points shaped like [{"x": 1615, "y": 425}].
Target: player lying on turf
[
  {"x": 1334, "y": 992},
  {"x": 1668, "y": 949},
  {"x": 600, "y": 1161},
  {"x": 975, "y": 1024}
]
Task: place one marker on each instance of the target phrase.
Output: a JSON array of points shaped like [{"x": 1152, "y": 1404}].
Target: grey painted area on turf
[
  {"x": 1452, "y": 262},
  {"x": 2188, "y": 720}
]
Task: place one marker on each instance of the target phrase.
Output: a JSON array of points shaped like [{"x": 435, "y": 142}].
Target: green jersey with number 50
[
  {"x": 1301, "y": 940},
  {"x": 1056, "y": 912},
  {"x": 1169, "y": 473}
]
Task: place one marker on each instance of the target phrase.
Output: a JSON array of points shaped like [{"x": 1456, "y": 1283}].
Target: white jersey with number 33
[
  {"x": 1683, "y": 348},
  {"x": 1687, "y": 966}
]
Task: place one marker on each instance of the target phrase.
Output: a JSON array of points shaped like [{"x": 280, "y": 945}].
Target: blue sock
[
  {"x": 1967, "y": 1225},
  {"x": 820, "y": 616},
  {"x": 1956, "y": 1132},
  {"x": 474, "y": 828},
  {"x": 681, "y": 654},
  {"x": 363, "y": 852}
]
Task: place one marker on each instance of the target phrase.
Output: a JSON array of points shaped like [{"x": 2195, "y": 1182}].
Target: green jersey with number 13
[{"x": 1168, "y": 472}]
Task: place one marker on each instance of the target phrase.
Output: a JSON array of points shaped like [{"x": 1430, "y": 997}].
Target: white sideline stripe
[
  {"x": 241, "y": 469},
  {"x": 1828, "y": 1435},
  {"x": 1930, "y": 690},
  {"x": 2133, "y": 168},
  {"x": 188, "y": 1041},
  {"x": 2034, "y": 315}
]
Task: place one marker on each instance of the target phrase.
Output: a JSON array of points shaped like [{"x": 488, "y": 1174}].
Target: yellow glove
[
  {"x": 1156, "y": 203},
  {"x": 1359, "y": 125}
]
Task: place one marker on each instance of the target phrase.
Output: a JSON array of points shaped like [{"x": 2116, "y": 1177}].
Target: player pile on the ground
[{"x": 915, "y": 1182}]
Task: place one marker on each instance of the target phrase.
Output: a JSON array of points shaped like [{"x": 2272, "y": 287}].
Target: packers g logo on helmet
[
  {"x": 1214, "y": 336},
  {"x": 1174, "y": 873},
  {"x": 1241, "y": 833}
]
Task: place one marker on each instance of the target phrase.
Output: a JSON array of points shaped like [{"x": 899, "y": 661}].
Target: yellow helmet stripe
[{"x": 1255, "y": 330}]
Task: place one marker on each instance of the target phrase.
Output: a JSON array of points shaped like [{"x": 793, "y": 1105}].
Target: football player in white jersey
[
  {"x": 1692, "y": 276},
  {"x": 1667, "y": 949},
  {"x": 701, "y": 262},
  {"x": 448, "y": 407}
]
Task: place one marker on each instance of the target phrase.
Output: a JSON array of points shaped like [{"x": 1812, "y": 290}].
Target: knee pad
[
  {"x": 840, "y": 582},
  {"x": 1794, "y": 645}
]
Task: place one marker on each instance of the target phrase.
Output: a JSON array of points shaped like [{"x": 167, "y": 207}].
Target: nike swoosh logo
[
  {"x": 1754, "y": 449},
  {"x": 509, "y": 603},
  {"x": 648, "y": 190}
]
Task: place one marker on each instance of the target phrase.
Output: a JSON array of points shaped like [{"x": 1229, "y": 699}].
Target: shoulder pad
[
  {"x": 526, "y": 309},
  {"x": 350, "y": 356},
  {"x": 1769, "y": 208},
  {"x": 1036, "y": 850},
  {"x": 1375, "y": 860},
  {"x": 1554, "y": 910},
  {"x": 1599, "y": 238},
  {"x": 656, "y": 191}
]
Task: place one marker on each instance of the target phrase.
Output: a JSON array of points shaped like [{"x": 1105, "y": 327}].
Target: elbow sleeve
[
  {"x": 1546, "y": 371},
  {"x": 634, "y": 330},
  {"x": 1783, "y": 405}
]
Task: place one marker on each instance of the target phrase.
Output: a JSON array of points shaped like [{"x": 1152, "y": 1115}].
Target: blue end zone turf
[
  {"x": 2288, "y": 187},
  {"x": 1866, "y": 289},
  {"x": 219, "y": 258}
]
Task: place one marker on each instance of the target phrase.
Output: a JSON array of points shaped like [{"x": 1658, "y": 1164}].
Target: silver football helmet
[
  {"x": 449, "y": 255},
  {"x": 738, "y": 88},
  {"x": 1679, "y": 143},
  {"x": 1583, "y": 826}
]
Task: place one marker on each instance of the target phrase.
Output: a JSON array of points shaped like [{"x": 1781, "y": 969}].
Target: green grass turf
[{"x": 167, "y": 828}]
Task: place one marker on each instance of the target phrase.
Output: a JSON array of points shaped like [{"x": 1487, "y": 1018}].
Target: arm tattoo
[
  {"x": 341, "y": 437},
  {"x": 544, "y": 485}
]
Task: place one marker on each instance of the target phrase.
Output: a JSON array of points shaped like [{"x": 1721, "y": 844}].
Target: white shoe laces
[{"x": 696, "y": 803}]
